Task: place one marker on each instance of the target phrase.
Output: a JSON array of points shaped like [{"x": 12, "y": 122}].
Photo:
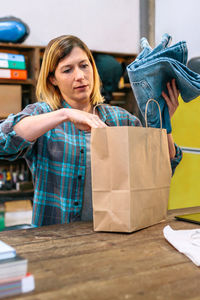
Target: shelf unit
[{"x": 33, "y": 57}]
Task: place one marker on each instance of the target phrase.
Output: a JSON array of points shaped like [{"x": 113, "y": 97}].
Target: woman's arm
[
  {"x": 172, "y": 103},
  {"x": 32, "y": 127}
]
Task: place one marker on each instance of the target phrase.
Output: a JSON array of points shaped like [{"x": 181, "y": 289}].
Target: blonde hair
[{"x": 56, "y": 50}]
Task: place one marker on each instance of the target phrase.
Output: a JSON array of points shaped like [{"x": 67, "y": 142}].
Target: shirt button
[
  {"x": 76, "y": 203},
  {"x": 79, "y": 177},
  {"x": 82, "y": 151}
]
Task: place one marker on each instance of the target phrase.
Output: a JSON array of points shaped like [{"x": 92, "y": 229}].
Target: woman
[{"x": 52, "y": 134}]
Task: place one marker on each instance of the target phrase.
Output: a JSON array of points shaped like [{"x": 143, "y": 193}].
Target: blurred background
[{"x": 112, "y": 29}]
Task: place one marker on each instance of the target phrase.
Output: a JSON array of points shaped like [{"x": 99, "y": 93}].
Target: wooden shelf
[
  {"x": 4, "y": 192},
  {"x": 125, "y": 56},
  {"x": 21, "y": 47},
  {"x": 12, "y": 194},
  {"x": 118, "y": 94},
  {"x": 14, "y": 81},
  {"x": 127, "y": 85}
]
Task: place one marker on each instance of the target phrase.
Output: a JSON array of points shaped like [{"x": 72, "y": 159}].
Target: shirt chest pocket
[{"x": 60, "y": 146}]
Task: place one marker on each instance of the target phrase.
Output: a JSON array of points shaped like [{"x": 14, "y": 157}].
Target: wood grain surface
[{"x": 74, "y": 262}]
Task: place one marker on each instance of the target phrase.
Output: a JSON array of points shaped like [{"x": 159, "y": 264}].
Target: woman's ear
[{"x": 53, "y": 80}]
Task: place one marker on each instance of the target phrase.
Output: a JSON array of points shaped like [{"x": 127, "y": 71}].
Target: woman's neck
[{"x": 84, "y": 106}]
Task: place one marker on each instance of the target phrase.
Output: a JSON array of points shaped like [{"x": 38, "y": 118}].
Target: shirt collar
[
  {"x": 65, "y": 104},
  {"x": 102, "y": 112}
]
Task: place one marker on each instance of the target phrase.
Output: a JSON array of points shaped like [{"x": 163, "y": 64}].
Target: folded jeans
[{"x": 151, "y": 71}]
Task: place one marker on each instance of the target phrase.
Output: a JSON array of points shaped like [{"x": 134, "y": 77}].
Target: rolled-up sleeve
[{"x": 12, "y": 146}]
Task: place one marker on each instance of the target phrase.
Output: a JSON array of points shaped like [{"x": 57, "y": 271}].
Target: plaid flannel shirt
[{"x": 57, "y": 161}]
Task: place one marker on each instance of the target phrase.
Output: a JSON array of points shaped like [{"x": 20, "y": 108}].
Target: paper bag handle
[
  {"x": 112, "y": 110},
  {"x": 146, "y": 112}
]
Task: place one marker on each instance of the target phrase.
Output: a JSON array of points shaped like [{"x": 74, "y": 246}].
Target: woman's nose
[{"x": 79, "y": 74}]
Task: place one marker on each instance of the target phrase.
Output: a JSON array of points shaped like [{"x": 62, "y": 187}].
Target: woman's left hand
[
  {"x": 172, "y": 103},
  {"x": 172, "y": 97}
]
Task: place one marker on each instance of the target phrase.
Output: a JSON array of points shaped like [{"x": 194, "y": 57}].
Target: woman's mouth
[{"x": 81, "y": 87}]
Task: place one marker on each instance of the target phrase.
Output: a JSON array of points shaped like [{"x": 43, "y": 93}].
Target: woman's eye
[
  {"x": 84, "y": 66},
  {"x": 67, "y": 70}
]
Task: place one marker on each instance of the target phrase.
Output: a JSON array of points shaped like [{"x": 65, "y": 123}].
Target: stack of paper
[
  {"x": 6, "y": 251},
  {"x": 14, "y": 278}
]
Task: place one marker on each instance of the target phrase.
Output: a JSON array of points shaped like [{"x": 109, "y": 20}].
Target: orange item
[{"x": 13, "y": 74}]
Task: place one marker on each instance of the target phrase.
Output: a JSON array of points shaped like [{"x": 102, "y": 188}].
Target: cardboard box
[
  {"x": 10, "y": 99},
  {"x": 17, "y": 212}
]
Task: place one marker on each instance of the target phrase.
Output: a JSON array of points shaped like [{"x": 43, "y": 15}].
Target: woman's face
[{"x": 74, "y": 77}]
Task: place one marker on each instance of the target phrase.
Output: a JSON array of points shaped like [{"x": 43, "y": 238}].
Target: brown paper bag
[{"x": 131, "y": 174}]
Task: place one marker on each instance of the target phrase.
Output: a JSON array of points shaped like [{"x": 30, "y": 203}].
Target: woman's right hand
[
  {"x": 83, "y": 120},
  {"x": 32, "y": 127}
]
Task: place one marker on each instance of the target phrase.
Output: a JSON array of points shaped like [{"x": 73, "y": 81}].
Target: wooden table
[{"x": 74, "y": 262}]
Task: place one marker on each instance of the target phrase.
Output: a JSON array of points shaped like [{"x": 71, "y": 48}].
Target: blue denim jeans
[{"x": 150, "y": 72}]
